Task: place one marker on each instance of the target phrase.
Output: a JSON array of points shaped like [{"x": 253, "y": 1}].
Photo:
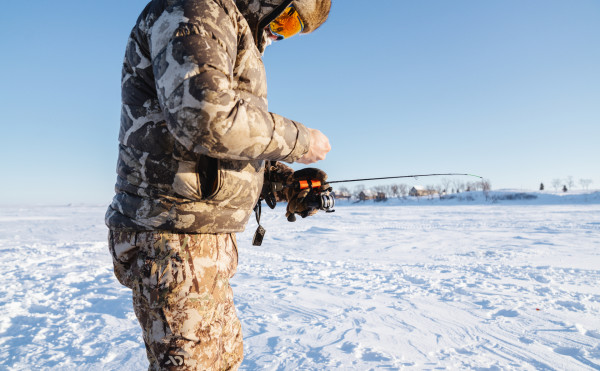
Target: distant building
[
  {"x": 418, "y": 191},
  {"x": 380, "y": 196},
  {"x": 341, "y": 195},
  {"x": 366, "y": 195}
]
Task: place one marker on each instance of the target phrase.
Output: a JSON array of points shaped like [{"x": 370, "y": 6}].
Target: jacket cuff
[{"x": 302, "y": 143}]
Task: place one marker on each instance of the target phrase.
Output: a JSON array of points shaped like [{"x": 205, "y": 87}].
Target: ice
[{"x": 471, "y": 283}]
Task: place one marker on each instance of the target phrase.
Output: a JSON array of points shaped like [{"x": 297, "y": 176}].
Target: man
[{"x": 195, "y": 136}]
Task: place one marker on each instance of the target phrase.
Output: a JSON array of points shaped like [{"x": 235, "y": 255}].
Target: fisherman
[{"x": 195, "y": 138}]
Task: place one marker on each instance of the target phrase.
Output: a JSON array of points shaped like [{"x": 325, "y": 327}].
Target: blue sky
[{"x": 508, "y": 89}]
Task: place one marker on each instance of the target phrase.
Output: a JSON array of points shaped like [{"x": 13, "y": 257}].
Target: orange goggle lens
[{"x": 287, "y": 24}]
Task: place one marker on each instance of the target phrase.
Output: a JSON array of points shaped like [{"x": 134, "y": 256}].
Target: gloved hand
[
  {"x": 303, "y": 201},
  {"x": 275, "y": 172}
]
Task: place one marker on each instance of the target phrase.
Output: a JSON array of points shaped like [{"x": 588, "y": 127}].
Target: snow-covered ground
[{"x": 429, "y": 284}]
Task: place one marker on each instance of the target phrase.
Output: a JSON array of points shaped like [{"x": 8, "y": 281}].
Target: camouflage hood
[{"x": 313, "y": 12}]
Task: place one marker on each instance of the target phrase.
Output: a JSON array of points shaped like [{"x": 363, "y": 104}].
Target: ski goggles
[{"x": 287, "y": 24}]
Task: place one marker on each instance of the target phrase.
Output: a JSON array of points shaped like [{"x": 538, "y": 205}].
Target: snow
[{"x": 470, "y": 282}]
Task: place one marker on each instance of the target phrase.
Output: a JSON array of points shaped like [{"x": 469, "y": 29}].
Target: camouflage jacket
[{"x": 195, "y": 128}]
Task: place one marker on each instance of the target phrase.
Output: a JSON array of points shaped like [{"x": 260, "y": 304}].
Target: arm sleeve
[{"x": 193, "y": 54}]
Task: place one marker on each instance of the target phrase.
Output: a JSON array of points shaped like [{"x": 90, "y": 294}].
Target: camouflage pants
[{"x": 182, "y": 297}]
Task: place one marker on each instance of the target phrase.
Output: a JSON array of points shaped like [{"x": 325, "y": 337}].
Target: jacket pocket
[
  {"x": 197, "y": 180},
  {"x": 240, "y": 184},
  {"x": 186, "y": 182},
  {"x": 209, "y": 176}
]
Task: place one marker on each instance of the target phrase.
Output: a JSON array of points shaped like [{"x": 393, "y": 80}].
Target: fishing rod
[
  {"x": 314, "y": 184},
  {"x": 403, "y": 176},
  {"x": 320, "y": 195}
]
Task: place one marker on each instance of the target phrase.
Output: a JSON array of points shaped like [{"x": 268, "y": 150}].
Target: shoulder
[
  {"x": 168, "y": 19},
  {"x": 218, "y": 12}
]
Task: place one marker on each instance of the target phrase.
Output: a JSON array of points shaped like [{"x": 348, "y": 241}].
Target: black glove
[
  {"x": 277, "y": 174},
  {"x": 304, "y": 202}
]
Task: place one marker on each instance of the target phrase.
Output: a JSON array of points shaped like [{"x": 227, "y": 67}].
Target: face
[{"x": 270, "y": 36}]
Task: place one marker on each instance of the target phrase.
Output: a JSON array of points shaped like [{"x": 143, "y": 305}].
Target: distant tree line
[
  {"x": 449, "y": 186},
  {"x": 568, "y": 183},
  {"x": 401, "y": 190}
]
